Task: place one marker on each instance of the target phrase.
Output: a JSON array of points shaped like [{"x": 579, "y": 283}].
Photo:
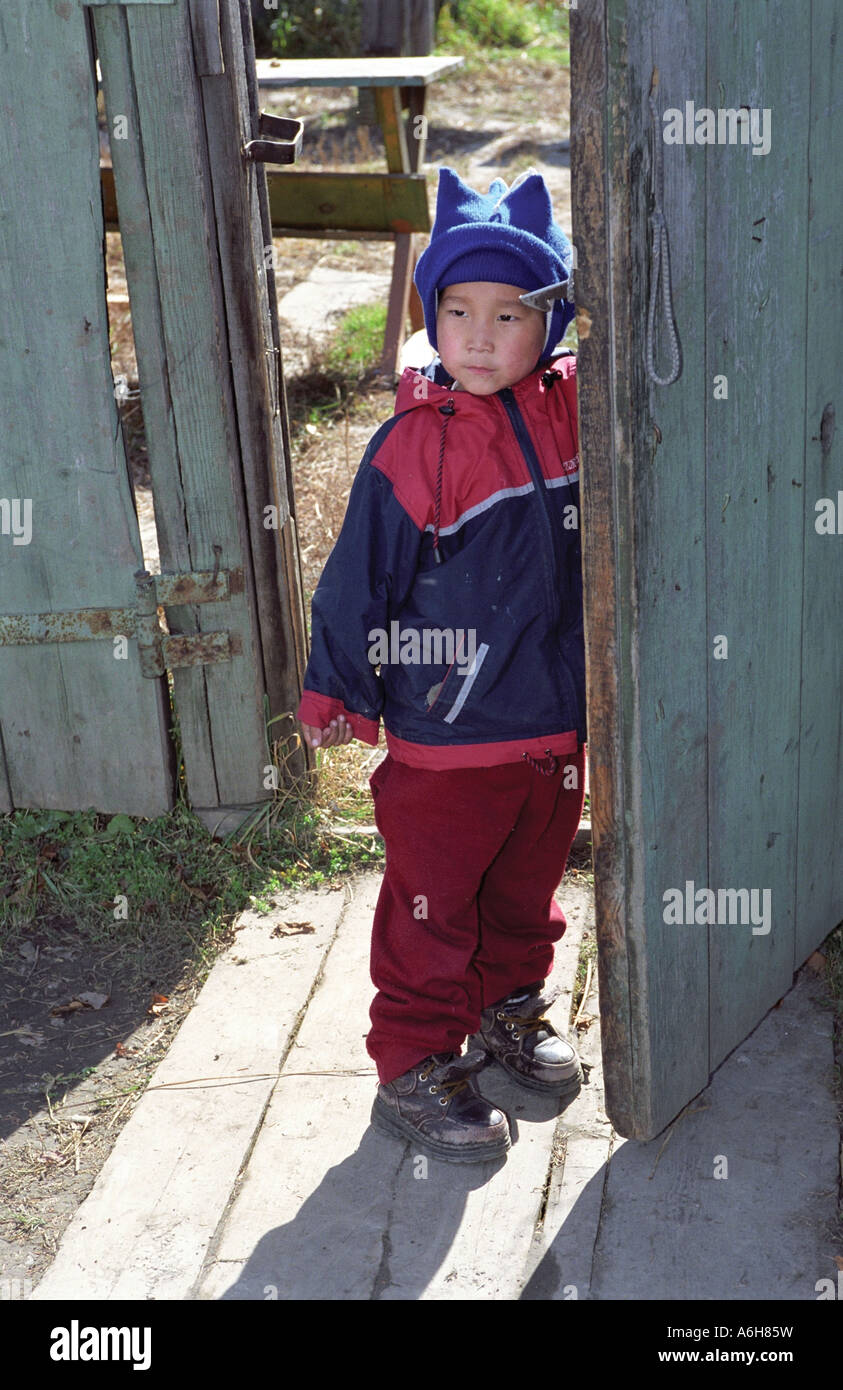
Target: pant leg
[
  {"x": 442, "y": 830},
  {"x": 519, "y": 919}
]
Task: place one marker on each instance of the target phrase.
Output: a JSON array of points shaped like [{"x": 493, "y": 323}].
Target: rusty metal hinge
[
  {"x": 157, "y": 650},
  {"x": 285, "y": 148}
]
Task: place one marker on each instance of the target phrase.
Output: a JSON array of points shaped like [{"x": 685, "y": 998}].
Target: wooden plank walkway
[{"x": 263, "y": 1183}]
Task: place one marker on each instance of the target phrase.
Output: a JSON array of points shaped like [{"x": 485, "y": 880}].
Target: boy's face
[{"x": 487, "y": 338}]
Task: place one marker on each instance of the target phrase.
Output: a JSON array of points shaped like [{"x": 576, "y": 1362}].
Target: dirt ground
[{"x": 68, "y": 1080}]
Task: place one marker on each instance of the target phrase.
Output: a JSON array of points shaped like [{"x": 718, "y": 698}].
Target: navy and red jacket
[{"x": 463, "y": 518}]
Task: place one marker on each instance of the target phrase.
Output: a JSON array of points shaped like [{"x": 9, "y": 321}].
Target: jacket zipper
[{"x": 552, "y": 575}]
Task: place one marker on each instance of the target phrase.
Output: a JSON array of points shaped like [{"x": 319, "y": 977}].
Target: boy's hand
[{"x": 338, "y": 731}]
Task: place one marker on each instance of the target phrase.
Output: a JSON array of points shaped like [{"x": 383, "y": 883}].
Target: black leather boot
[
  {"x": 521, "y": 1040},
  {"x": 437, "y": 1105}
]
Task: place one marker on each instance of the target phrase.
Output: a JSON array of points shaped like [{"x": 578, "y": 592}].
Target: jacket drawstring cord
[
  {"x": 447, "y": 411},
  {"x": 537, "y": 764}
]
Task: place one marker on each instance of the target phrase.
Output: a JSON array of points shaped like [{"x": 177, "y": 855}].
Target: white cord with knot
[{"x": 660, "y": 251}]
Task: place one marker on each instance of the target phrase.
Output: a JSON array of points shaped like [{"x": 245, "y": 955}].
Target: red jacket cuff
[{"x": 319, "y": 710}]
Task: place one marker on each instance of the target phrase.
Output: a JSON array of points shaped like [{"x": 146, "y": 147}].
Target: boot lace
[
  {"x": 448, "y": 1088},
  {"x": 527, "y": 1024}
]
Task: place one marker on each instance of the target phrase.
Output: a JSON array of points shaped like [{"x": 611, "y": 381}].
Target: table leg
[
  {"x": 388, "y": 104},
  {"x": 416, "y": 127},
  {"x": 399, "y": 296},
  {"x": 400, "y": 160},
  {"x": 417, "y": 147}
]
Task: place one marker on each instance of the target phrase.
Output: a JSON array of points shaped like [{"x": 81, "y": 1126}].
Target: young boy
[{"x": 451, "y": 607}]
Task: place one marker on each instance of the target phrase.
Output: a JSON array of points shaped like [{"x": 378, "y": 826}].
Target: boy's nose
[{"x": 481, "y": 338}]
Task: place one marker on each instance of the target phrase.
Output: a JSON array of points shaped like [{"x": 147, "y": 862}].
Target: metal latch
[
  {"x": 285, "y": 148},
  {"x": 545, "y": 298},
  {"x": 157, "y": 650}
]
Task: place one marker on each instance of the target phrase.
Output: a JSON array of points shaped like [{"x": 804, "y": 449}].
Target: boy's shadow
[{"x": 381, "y": 1222}]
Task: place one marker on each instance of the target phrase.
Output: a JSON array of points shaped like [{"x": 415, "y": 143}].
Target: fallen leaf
[
  {"x": 816, "y": 962},
  {"x": 292, "y": 928},
  {"x": 93, "y": 1000},
  {"x": 119, "y": 825},
  {"x": 197, "y": 892},
  {"x": 30, "y": 1038},
  {"x": 28, "y": 951},
  {"x": 838, "y": 1260},
  {"x": 584, "y": 1021},
  {"x": 71, "y": 1008},
  {"x": 158, "y": 1005}
]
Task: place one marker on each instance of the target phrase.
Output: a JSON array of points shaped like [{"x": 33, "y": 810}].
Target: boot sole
[
  {"x": 565, "y": 1087},
  {"x": 386, "y": 1122}
]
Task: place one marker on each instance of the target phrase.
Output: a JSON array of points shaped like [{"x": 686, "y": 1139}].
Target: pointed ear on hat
[
  {"x": 456, "y": 203},
  {"x": 527, "y": 205}
]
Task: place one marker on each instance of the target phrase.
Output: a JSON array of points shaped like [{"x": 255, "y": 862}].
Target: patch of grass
[
  {"x": 166, "y": 882},
  {"x": 479, "y": 29},
  {"x": 301, "y": 29},
  {"x": 833, "y": 950},
  {"x": 358, "y": 342},
  {"x": 340, "y": 375},
  {"x": 26, "y": 1222}
]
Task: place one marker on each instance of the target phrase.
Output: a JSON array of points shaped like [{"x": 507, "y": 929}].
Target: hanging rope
[{"x": 660, "y": 252}]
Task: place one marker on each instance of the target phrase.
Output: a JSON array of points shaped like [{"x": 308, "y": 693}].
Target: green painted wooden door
[
  {"x": 80, "y": 727},
  {"x": 714, "y": 581}
]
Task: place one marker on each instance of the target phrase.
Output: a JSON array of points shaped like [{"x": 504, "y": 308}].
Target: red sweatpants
[{"x": 466, "y": 912}]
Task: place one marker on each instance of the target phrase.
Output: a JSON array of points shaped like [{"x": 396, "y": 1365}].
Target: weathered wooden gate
[
  {"x": 85, "y": 722},
  {"x": 713, "y": 535}
]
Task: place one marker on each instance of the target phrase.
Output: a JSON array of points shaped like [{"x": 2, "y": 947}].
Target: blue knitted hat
[{"x": 507, "y": 236}]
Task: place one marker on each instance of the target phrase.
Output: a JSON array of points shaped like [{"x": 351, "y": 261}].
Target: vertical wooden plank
[
  {"x": 756, "y": 254},
  {"x": 246, "y": 265},
  {"x": 79, "y": 728},
  {"x": 6, "y": 803},
  {"x": 220, "y": 706},
  {"x": 285, "y": 696},
  {"x": 168, "y": 484},
  {"x": 592, "y": 204},
  {"x": 819, "y": 868},
  {"x": 664, "y": 488}
]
